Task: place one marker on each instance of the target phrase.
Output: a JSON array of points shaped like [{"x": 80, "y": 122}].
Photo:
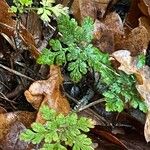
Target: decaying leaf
[
  {"x": 137, "y": 41},
  {"x": 48, "y": 92},
  {"x": 92, "y": 8},
  {"x": 128, "y": 65},
  {"x": 110, "y": 36},
  {"x": 131, "y": 20},
  {"x": 147, "y": 127},
  {"x": 145, "y": 22},
  {"x": 33, "y": 24},
  {"x": 82, "y": 8},
  {"x": 8, "y": 27},
  {"x": 10, "y": 127},
  {"x": 107, "y": 31},
  {"x": 144, "y": 6}
]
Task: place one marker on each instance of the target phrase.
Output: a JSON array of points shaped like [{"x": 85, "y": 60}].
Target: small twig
[
  {"x": 91, "y": 104},
  {"x": 70, "y": 97},
  {"x": 15, "y": 92},
  {"x": 16, "y": 72},
  {"x": 5, "y": 98},
  {"x": 129, "y": 26},
  {"x": 95, "y": 114},
  {"x": 85, "y": 99},
  {"x": 5, "y": 85}
]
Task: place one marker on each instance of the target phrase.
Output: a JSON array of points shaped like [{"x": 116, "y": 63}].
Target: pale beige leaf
[{"x": 147, "y": 128}]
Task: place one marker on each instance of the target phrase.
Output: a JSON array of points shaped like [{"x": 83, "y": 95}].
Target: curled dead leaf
[
  {"x": 48, "y": 92},
  {"x": 128, "y": 63}
]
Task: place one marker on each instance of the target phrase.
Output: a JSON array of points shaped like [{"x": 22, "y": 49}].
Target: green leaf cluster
[
  {"x": 46, "y": 10},
  {"x": 20, "y": 5},
  {"x": 59, "y": 130},
  {"x": 122, "y": 91},
  {"x": 141, "y": 61},
  {"x": 75, "y": 49}
]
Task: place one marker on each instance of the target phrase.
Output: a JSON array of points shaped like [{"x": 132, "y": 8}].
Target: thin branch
[
  {"x": 5, "y": 98},
  {"x": 93, "y": 112},
  {"x": 16, "y": 72},
  {"x": 70, "y": 97},
  {"x": 92, "y": 104}
]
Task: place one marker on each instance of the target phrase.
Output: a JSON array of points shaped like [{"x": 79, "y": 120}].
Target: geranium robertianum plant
[
  {"x": 75, "y": 49},
  {"x": 59, "y": 131}
]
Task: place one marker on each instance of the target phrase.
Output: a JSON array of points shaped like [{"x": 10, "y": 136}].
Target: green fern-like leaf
[
  {"x": 57, "y": 130},
  {"x": 47, "y": 57},
  {"x": 75, "y": 49}
]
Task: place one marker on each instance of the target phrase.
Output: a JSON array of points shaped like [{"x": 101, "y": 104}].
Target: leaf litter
[{"x": 112, "y": 36}]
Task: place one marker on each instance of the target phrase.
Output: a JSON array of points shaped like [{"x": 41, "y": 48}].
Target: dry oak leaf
[
  {"x": 144, "y": 6},
  {"x": 128, "y": 65},
  {"x": 145, "y": 22},
  {"x": 93, "y": 8},
  {"x": 11, "y": 124},
  {"x": 107, "y": 31},
  {"x": 48, "y": 92},
  {"x": 83, "y": 8},
  {"x": 8, "y": 28},
  {"x": 131, "y": 20},
  {"x": 136, "y": 41}
]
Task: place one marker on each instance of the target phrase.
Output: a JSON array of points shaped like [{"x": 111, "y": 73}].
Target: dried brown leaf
[
  {"x": 144, "y": 6},
  {"x": 131, "y": 20},
  {"x": 8, "y": 27},
  {"x": 145, "y": 22},
  {"x": 137, "y": 41},
  {"x": 33, "y": 24},
  {"x": 10, "y": 127},
  {"x": 107, "y": 31},
  {"x": 48, "y": 92},
  {"x": 83, "y": 8},
  {"x": 92, "y": 8}
]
